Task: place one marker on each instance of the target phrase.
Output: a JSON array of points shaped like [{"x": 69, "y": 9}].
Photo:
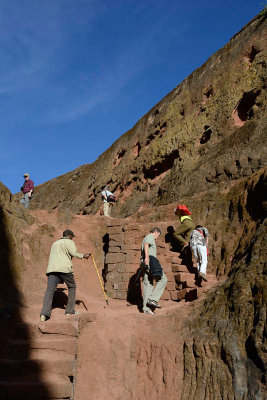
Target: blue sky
[{"x": 76, "y": 74}]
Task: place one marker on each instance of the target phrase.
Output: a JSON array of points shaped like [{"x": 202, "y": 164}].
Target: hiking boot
[
  {"x": 42, "y": 318},
  {"x": 203, "y": 276},
  {"x": 74, "y": 313},
  {"x": 153, "y": 303},
  {"x": 148, "y": 312}
]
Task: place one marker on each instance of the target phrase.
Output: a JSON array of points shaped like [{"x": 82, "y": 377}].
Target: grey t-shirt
[{"x": 152, "y": 248}]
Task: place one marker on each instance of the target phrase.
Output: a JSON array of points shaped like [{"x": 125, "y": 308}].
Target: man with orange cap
[{"x": 182, "y": 233}]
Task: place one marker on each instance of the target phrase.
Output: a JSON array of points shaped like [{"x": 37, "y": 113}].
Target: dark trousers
[{"x": 53, "y": 279}]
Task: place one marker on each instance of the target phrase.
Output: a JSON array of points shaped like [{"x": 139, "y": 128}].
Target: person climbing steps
[
  {"x": 182, "y": 234},
  {"x": 152, "y": 271},
  {"x": 199, "y": 245}
]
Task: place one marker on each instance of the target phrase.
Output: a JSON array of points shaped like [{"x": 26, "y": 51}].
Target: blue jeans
[
  {"x": 54, "y": 278},
  {"x": 26, "y": 200}
]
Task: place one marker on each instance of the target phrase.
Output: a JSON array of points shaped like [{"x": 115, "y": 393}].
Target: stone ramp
[{"x": 41, "y": 356}]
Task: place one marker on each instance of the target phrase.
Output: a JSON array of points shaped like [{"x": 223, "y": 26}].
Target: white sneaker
[
  {"x": 75, "y": 313},
  {"x": 148, "y": 312},
  {"x": 153, "y": 303}
]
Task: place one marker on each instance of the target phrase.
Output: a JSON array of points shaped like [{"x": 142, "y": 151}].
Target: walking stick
[{"x": 101, "y": 284}]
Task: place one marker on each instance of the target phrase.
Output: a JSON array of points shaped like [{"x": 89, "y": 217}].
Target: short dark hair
[
  {"x": 67, "y": 233},
  {"x": 155, "y": 229}
]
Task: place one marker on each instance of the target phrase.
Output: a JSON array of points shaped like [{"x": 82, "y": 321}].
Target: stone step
[
  {"x": 68, "y": 328},
  {"x": 187, "y": 279},
  {"x": 189, "y": 294},
  {"x": 53, "y": 342},
  {"x": 170, "y": 276},
  {"x": 166, "y": 295},
  {"x": 35, "y": 330},
  {"x": 26, "y": 330},
  {"x": 42, "y": 363},
  {"x": 19, "y": 349},
  {"x": 179, "y": 268},
  {"x": 170, "y": 286},
  {"x": 46, "y": 386}
]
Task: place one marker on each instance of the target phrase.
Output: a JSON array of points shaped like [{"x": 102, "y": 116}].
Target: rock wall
[
  {"x": 224, "y": 354},
  {"x": 208, "y": 130},
  {"x": 131, "y": 357},
  {"x": 224, "y": 346}
]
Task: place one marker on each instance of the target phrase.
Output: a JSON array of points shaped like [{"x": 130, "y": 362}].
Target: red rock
[
  {"x": 112, "y": 276},
  {"x": 54, "y": 342},
  {"x": 57, "y": 386},
  {"x": 118, "y": 237},
  {"x": 191, "y": 295},
  {"x": 181, "y": 294},
  {"x": 121, "y": 294},
  {"x": 170, "y": 286},
  {"x": 179, "y": 268},
  {"x": 132, "y": 257},
  {"x": 113, "y": 258},
  {"x": 115, "y": 222},
  {"x": 121, "y": 267},
  {"x": 132, "y": 267},
  {"x": 169, "y": 275},
  {"x": 115, "y": 229},
  {"x": 111, "y": 267},
  {"x": 166, "y": 295},
  {"x": 130, "y": 246},
  {"x": 187, "y": 278},
  {"x": 132, "y": 227},
  {"x": 176, "y": 260},
  {"x": 174, "y": 295},
  {"x": 114, "y": 249},
  {"x": 68, "y": 328}
]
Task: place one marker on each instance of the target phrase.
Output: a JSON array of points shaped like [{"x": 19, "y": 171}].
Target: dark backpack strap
[{"x": 202, "y": 233}]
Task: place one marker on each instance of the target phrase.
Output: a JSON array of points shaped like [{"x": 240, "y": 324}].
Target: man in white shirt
[{"x": 108, "y": 199}]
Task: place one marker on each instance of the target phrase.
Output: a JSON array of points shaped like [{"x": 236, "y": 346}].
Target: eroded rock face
[
  {"x": 12, "y": 222},
  {"x": 224, "y": 358},
  {"x": 208, "y": 130}
]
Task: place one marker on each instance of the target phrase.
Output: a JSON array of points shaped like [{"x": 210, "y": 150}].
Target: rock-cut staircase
[
  {"x": 40, "y": 359},
  {"x": 122, "y": 262}
]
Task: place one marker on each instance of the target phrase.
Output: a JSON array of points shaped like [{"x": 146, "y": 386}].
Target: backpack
[
  {"x": 203, "y": 234},
  {"x": 111, "y": 199}
]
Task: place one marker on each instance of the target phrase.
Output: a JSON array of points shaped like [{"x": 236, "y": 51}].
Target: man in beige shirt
[{"x": 60, "y": 270}]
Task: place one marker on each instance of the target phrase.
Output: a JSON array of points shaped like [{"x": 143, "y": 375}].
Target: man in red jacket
[{"x": 27, "y": 190}]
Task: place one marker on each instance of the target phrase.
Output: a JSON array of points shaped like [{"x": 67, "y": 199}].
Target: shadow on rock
[
  {"x": 20, "y": 376},
  {"x": 134, "y": 294}
]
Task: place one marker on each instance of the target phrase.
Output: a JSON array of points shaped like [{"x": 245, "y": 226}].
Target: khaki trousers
[
  {"x": 106, "y": 209},
  {"x": 150, "y": 292}
]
